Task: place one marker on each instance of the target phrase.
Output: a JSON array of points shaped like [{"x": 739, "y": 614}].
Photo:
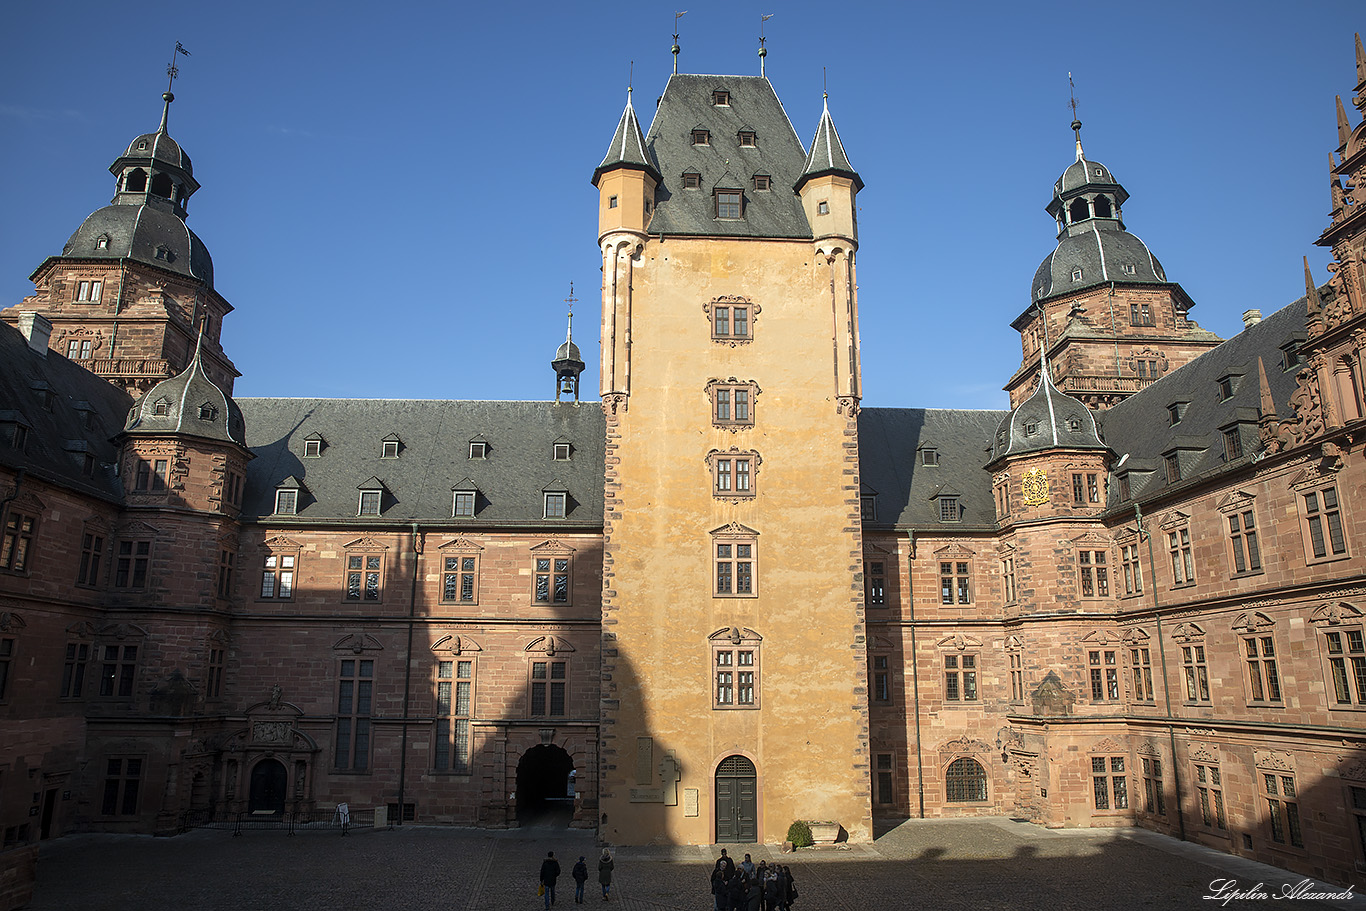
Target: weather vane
[
  {"x": 1076, "y": 124},
  {"x": 677, "y": 16},
  {"x": 571, "y": 300},
  {"x": 763, "y": 51},
  {"x": 172, "y": 70}
]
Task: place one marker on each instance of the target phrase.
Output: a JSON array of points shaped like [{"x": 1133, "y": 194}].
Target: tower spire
[
  {"x": 172, "y": 71},
  {"x": 1361, "y": 66},
  {"x": 763, "y": 51},
  {"x": 1344, "y": 128},
  {"x": 1314, "y": 307},
  {"x": 677, "y": 15},
  {"x": 1076, "y": 123}
]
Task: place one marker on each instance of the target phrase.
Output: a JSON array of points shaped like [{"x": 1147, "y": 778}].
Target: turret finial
[
  {"x": 1344, "y": 128},
  {"x": 1361, "y": 61},
  {"x": 1076, "y": 123},
  {"x": 172, "y": 71},
  {"x": 677, "y": 15},
  {"x": 1267, "y": 405},
  {"x": 571, "y": 300},
  {"x": 763, "y": 51},
  {"x": 1314, "y": 307}
]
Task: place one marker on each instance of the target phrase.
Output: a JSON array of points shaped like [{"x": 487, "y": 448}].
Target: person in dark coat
[
  {"x": 789, "y": 889},
  {"x": 738, "y": 891},
  {"x": 754, "y": 891},
  {"x": 773, "y": 890},
  {"x": 730, "y": 864},
  {"x": 605, "y": 873},
  {"x": 550, "y": 871},
  {"x": 720, "y": 889},
  {"x": 580, "y": 874}
]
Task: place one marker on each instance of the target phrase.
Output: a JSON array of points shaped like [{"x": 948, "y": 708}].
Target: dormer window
[
  {"x": 462, "y": 503},
  {"x": 369, "y": 502},
  {"x": 560, "y": 452},
  {"x": 1128, "y": 268},
  {"x": 164, "y": 254},
  {"x": 286, "y": 502},
  {"x": 389, "y": 448},
  {"x": 161, "y": 407},
  {"x": 747, "y": 140},
  {"x": 728, "y": 204},
  {"x": 1031, "y": 428},
  {"x": 1074, "y": 424},
  {"x": 102, "y": 242},
  {"x": 948, "y": 509},
  {"x": 1076, "y": 275},
  {"x": 720, "y": 98},
  {"x": 142, "y": 145},
  {"x": 556, "y": 504},
  {"x": 692, "y": 180},
  {"x": 763, "y": 182},
  {"x": 1175, "y": 411},
  {"x": 1173, "y": 463},
  {"x": 479, "y": 449},
  {"x": 313, "y": 447},
  {"x": 207, "y": 412},
  {"x": 1225, "y": 388},
  {"x": 701, "y": 137},
  {"x": 1290, "y": 355},
  {"x": 929, "y": 457}
]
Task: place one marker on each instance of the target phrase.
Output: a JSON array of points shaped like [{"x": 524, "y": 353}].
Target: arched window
[
  {"x": 162, "y": 186},
  {"x": 1102, "y": 205},
  {"x": 135, "y": 181},
  {"x": 1078, "y": 210},
  {"x": 965, "y": 781}
]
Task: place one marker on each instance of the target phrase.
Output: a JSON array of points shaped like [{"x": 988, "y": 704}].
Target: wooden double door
[{"x": 737, "y": 801}]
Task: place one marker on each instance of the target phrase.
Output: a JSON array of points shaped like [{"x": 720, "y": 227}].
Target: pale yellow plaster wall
[{"x": 808, "y": 738}]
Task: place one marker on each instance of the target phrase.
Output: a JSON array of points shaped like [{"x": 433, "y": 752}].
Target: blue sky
[{"x": 397, "y": 197}]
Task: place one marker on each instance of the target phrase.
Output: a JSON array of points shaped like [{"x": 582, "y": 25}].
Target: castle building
[{"x": 728, "y": 595}]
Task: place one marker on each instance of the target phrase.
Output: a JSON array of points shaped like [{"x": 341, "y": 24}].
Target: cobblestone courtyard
[{"x": 959, "y": 864}]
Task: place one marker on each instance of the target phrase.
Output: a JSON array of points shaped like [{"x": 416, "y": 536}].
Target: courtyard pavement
[{"x": 980, "y": 864}]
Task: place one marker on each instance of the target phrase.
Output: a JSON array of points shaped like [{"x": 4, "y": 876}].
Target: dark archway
[
  {"x": 543, "y": 795},
  {"x": 268, "y": 788},
  {"x": 737, "y": 801}
]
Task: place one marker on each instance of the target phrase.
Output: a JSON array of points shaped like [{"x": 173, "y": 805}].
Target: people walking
[
  {"x": 605, "y": 873},
  {"x": 550, "y": 871},
  {"x": 580, "y": 874}
]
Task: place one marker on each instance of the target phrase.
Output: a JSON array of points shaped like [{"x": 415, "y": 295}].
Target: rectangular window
[
  {"x": 552, "y": 580},
  {"x": 460, "y": 581},
  {"x": 225, "y": 561},
  {"x": 89, "y": 291},
  {"x": 479, "y": 449},
  {"x": 6, "y": 658},
  {"x": 692, "y": 180},
  {"x": 1141, "y": 663},
  {"x": 548, "y": 682},
  {"x": 733, "y": 476},
  {"x": 1210, "y": 791},
  {"x": 92, "y": 552},
  {"x": 1197, "y": 673},
  {"x": 1094, "y": 574},
  {"x": 454, "y": 701},
  {"x": 556, "y": 505},
  {"x": 728, "y": 203},
  {"x": 214, "y": 685},
  {"x": 463, "y": 504},
  {"x": 721, "y": 98},
  {"x": 122, "y": 781},
  {"x": 1141, "y": 315},
  {"x": 1283, "y": 809},
  {"x": 1225, "y": 388},
  {"x": 73, "y": 671},
  {"x": 734, "y": 568},
  {"x": 1322, "y": 519},
  {"x": 731, "y": 322},
  {"x": 955, "y": 582},
  {"x": 763, "y": 182},
  {"x": 875, "y": 583},
  {"x": 948, "y": 509},
  {"x": 559, "y": 452},
  {"x": 701, "y": 137},
  {"x": 1108, "y": 783},
  {"x": 369, "y": 502},
  {"x": 18, "y": 542},
  {"x": 1242, "y": 532},
  {"x": 1133, "y": 569},
  {"x": 747, "y": 140},
  {"x": 1346, "y": 665},
  {"x": 364, "y": 577},
  {"x": 1155, "y": 801},
  {"x": 960, "y": 678},
  {"x": 1183, "y": 566},
  {"x": 118, "y": 670},
  {"x": 355, "y": 697},
  {"x": 1233, "y": 444},
  {"x": 1016, "y": 677},
  {"x": 1173, "y": 463},
  {"x": 1078, "y": 489},
  {"x": 1264, "y": 682},
  {"x": 885, "y": 794},
  {"x": 130, "y": 571},
  {"x": 313, "y": 449},
  {"x": 286, "y": 502},
  {"x": 277, "y": 577},
  {"x": 731, "y": 405},
  {"x": 882, "y": 679},
  {"x": 1008, "y": 579},
  {"x": 1104, "y": 676}
]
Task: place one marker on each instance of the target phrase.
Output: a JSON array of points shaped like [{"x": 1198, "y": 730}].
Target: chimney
[
  {"x": 37, "y": 329},
  {"x": 1251, "y": 318}
]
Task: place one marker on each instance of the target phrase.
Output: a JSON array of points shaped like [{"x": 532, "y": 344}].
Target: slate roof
[
  {"x": 1140, "y": 426},
  {"x": 135, "y": 232},
  {"x": 627, "y": 149},
  {"x": 754, "y": 107},
  {"x": 827, "y": 155},
  {"x": 195, "y": 406},
  {"x": 433, "y": 459},
  {"x": 58, "y": 439},
  {"x": 1057, "y": 421},
  {"x": 1101, "y": 249},
  {"x": 906, "y": 490}
]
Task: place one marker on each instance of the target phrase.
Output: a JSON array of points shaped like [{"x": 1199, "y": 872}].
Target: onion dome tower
[{"x": 568, "y": 363}]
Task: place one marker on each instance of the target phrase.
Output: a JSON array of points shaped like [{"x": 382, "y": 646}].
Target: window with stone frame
[
  {"x": 88, "y": 291},
  {"x": 460, "y": 578},
  {"x": 313, "y": 446},
  {"x": 875, "y": 582},
  {"x": 79, "y": 349},
  {"x": 960, "y": 677},
  {"x": 1194, "y": 663},
  {"x": 1263, "y": 677},
  {"x": 6, "y": 660},
  {"x": 454, "y": 710},
  {"x": 1282, "y": 808},
  {"x": 1104, "y": 674},
  {"x": 1008, "y": 578},
  {"x": 355, "y": 703},
  {"x": 549, "y": 688},
  {"x": 884, "y": 780},
  {"x": 1183, "y": 563},
  {"x": 1344, "y": 654},
  {"x": 955, "y": 581},
  {"x": 556, "y": 504},
  {"x": 226, "y": 559},
  {"x": 732, "y": 403},
  {"x": 882, "y": 678},
  {"x": 1233, "y": 442},
  {"x": 74, "y": 669},
  {"x": 1141, "y": 669},
  {"x": 1109, "y": 784},
  {"x": 1321, "y": 523},
  {"x": 1085, "y": 487},
  {"x": 965, "y": 781},
  {"x": 732, "y": 318},
  {"x": 150, "y": 476},
  {"x": 1093, "y": 575},
  {"x": 122, "y": 785},
  {"x": 364, "y": 576},
  {"x": 1356, "y": 808},
  {"x": 1002, "y": 491},
  {"x": 734, "y": 557},
  {"x": 1130, "y": 559},
  {"x": 213, "y": 684},
  {"x": 277, "y": 576},
  {"x": 118, "y": 670},
  {"x": 1209, "y": 792},
  {"x": 1015, "y": 659},
  {"x": 551, "y": 574},
  {"x": 1154, "y": 796},
  {"x": 16, "y": 548},
  {"x": 1141, "y": 314},
  {"x": 733, "y": 473},
  {"x": 371, "y": 501},
  {"x": 131, "y": 564}
]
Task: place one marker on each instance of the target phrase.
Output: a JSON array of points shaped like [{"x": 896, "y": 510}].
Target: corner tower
[
  {"x": 133, "y": 286},
  {"x": 1115, "y": 321},
  {"x": 733, "y": 674}
]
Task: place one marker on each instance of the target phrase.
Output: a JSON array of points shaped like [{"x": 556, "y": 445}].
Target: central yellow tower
[{"x": 734, "y": 667}]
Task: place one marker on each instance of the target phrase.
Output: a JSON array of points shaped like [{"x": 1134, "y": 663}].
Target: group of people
[
  {"x": 550, "y": 871},
  {"x": 745, "y": 887}
]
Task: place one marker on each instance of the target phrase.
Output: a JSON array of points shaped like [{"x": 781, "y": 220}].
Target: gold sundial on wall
[{"x": 1034, "y": 485}]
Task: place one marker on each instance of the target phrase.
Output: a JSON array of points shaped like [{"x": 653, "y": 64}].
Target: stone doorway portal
[
  {"x": 268, "y": 788},
  {"x": 543, "y": 796}
]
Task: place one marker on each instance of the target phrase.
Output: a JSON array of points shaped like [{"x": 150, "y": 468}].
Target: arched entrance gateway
[
  {"x": 269, "y": 784},
  {"x": 543, "y": 795},
  {"x": 737, "y": 801}
]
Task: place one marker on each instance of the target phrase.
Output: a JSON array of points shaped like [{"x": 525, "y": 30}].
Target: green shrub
[{"x": 799, "y": 833}]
